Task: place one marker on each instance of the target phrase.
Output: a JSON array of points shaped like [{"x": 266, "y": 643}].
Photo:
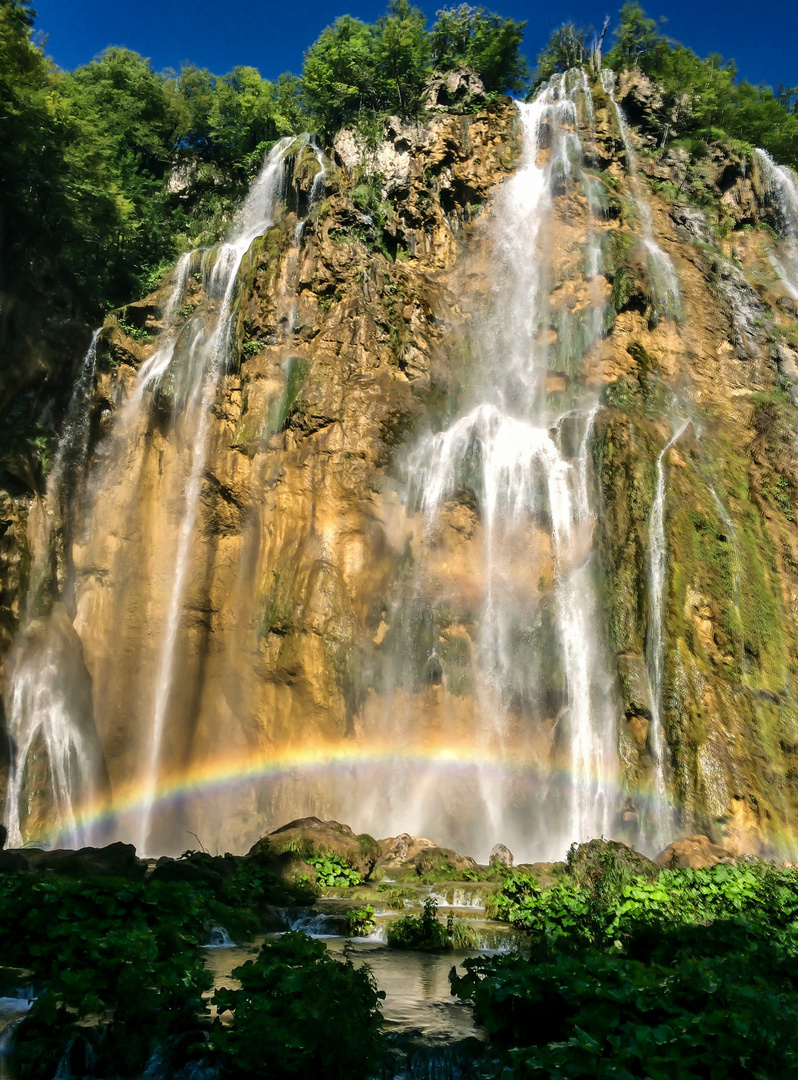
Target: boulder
[
  {"x": 461, "y": 87},
  {"x": 188, "y": 872},
  {"x": 310, "y": 836},
  {"x": 693, "y": 852},
  {"x": 500, "y": 856},
  {"x": 586, "y": 861},
  {"x": 421, "y": 856}
]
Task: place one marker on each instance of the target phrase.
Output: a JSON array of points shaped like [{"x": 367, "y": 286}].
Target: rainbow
[{"x": 204, "y": 779}]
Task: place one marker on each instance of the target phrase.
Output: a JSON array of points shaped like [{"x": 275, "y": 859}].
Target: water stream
[
  {"x": 208, "y": 350},
  {"x": 661, "y": 828},
  {"x": 183, "y": 374},
  {"x": 782, "y": 185},
  {"x": 51, "y": 745},
  {"x": 666, "y": 296}
]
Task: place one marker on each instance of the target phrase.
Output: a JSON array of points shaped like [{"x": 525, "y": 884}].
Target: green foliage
[
  {"x": 300, "y": 1013},
  {"x": 610, "y": 900},
  {"x": 687, "y": 1002},
  {"x": 423, "y": 932},
  {"x": 566, "y": 48},
  {"x": 361, "y": 921},
  {"x": 482, "y": 41},
  {"x": 357, "y": 69},
  {"x": 638, "y": 41},
  {"x": 402, "y": 56},
  {"x": 122, "y": 953},
  {"x": 686, "y": 972},
  {"x": 338, "y": 75},
  {"x": 334, "y": 871},
  {"x": 702, "y": 97}
]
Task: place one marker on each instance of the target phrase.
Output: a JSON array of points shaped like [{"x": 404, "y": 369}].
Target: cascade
[
  {"x": 176, "y": 386},
  {"x": 44, "y": 721},
  {"x": 209, "y": 347},
  {"x": 491, "y": 712},
  {"x": 542, "y": 692},
  {"x": 663, "y": 282},
  {"x": 661, "y": 811},
  {"x": 782, "y": 185}
]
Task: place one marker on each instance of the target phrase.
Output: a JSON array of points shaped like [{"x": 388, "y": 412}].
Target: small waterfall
[
  {"x": 154, "y": 367},
  {"x": 662, "y": 814},
  {"x": 208, "y": 349},
  {"x": 664, "y": 284},
  {"x": 782, "y": 186},
  {"x": 49, "y": 710}
]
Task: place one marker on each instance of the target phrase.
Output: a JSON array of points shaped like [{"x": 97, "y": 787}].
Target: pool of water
[{"x": 417, "y": 1001}]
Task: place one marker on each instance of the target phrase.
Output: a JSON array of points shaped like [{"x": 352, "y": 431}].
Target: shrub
[{"x": 300, "y": 1013}]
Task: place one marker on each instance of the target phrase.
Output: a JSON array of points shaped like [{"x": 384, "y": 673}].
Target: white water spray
[
  {"x": 506, "y": 449},
  {"x": 49, "y": 717}
]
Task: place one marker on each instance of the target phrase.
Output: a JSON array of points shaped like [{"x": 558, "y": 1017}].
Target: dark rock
[
  {"x": 188, "y": 872},
  {"x": 115, "y": 860},
  {"x": 12, "y": 862}
]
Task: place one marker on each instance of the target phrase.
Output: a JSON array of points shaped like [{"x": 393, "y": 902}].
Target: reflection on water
[{"x": 416, "y": 986}]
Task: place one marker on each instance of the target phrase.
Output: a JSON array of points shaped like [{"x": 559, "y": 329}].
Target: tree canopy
[{"x": 86, "y": 156}]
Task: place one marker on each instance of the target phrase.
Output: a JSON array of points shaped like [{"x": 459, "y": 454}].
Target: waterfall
[
  {"x": 541, "y": 686},
  {"x": 48, "y": 717},
  {"x": 661, "y": 811},
  {"x": 663, "y": 282},
  {"x": 131, "y": 572},
  {"x": 782, "y": 186},
  {"x": 209, "y": 346}
]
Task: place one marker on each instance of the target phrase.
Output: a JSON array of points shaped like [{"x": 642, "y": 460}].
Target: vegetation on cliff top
[{"x": 108, "y": 171}]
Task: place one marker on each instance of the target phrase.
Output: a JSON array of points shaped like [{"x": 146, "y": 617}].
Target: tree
[
  {"x": 638, "y": 41},
  {"x": 566, "y": 48},
  {"x": 402, "y": 55},
  {"x": 339, "y": 76},
  {"x": 484, "y": 42}
]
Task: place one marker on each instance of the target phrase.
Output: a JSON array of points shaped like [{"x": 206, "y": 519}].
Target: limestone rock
[
  {"x": 422, "y": 856},
  {"x": 693, "y": 852},
  {"x": 310, "y": 835},
  {"x": 461, "y": 87},
  {"x": 500, "y": 856}
]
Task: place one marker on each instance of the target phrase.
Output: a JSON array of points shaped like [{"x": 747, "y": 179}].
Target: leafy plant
[
  {"x": 677, "y": 1001},
  {"x": 334, "y": 871},
  {"x": 423, "y": 932},
  {"x": 361, "y": 921},
  {"x": 299, "y": 1013}
]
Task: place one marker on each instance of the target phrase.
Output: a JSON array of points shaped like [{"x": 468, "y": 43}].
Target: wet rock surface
[{"x": 303, "y": 542}]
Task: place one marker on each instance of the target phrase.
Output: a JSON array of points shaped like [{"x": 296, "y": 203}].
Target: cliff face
[{"x": 328, "y": 639}]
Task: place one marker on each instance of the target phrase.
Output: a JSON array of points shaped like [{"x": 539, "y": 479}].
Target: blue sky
[{"x": 271, "y": 36}]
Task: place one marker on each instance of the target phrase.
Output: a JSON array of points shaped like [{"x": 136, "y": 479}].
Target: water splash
[
  {"x": 666, "y": 296},
  {"x": 661, "y": 810}
]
